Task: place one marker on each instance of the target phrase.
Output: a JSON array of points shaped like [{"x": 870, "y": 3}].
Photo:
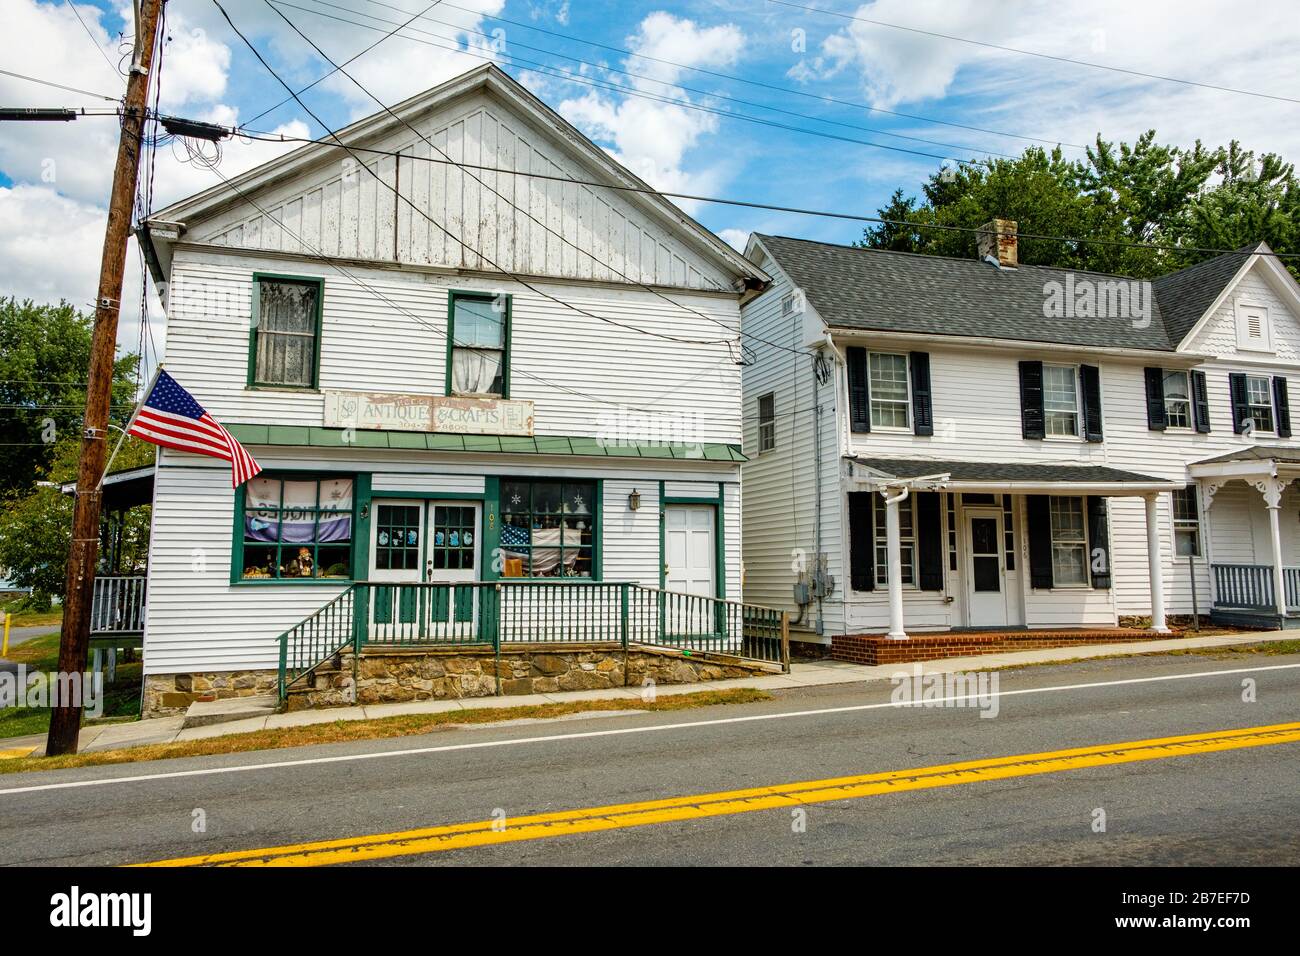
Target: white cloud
[
  {"x": 736, "y": 238},
  {"x": 652, "y": 138}
]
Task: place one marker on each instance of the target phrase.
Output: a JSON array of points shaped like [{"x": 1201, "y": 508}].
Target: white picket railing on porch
[
  {"x": 118, "y": 604},
  {"x": 1250, "y": 587}
]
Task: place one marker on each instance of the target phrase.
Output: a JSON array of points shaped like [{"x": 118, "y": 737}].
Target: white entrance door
[
  {"x": 689, "y": 554},
  {"x": 415, "y": 544},
  {"x": 986, "y": 585}
]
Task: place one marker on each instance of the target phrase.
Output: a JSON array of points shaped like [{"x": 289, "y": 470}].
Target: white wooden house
[
  {"x": 450, "y": 374},
  {"x": 970, "y": 444}
]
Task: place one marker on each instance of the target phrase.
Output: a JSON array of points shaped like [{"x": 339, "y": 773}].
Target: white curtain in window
[{"x": 474, "y": 370}]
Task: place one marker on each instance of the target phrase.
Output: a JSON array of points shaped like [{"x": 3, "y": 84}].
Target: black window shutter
[
  {"x": 922, "y": 405},
  {"x": 1098, "y": 540},
  {"x": 1039, "y": 521},
  {"x": 859, "y": 391},
  {"x": 862, "y": 541},
  {"x": 1283, "y": 409},
  {"x": 1155, "y": 398},
  {"x": 1090, "y": 379},
  {"x": 1031, "y": 399},
  {"x": 929, "y": 541},
  {"x": 1200, "y": 403},
  {"x": 1240, "y": 409}
]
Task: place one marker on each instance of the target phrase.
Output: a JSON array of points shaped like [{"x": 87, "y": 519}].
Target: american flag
[{"x": 172, "y": 418}]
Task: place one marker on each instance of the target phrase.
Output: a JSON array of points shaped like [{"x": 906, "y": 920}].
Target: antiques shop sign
[{"x": 428, "y": 413}]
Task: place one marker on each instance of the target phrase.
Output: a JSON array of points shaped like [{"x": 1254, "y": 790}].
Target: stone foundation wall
[
  {"x": 168, "y": 694},
  {"x": 417, "y": 673}
]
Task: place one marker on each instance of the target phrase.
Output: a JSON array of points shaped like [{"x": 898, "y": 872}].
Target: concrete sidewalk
[{"x": 818, "y": 673}]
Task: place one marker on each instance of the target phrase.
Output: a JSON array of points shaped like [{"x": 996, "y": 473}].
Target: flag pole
[{"x": 144, "y": 397}]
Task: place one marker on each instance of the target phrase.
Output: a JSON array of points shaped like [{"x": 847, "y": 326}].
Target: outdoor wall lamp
[{"x": 634, "y": 500}]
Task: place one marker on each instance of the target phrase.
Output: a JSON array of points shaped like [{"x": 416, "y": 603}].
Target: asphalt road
[{"x": 1238, "y": 806}]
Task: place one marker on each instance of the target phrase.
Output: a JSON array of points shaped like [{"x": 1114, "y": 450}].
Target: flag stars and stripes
[{"x": 171, "y": 417}]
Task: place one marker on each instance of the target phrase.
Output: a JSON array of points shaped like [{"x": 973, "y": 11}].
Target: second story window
[
  {"x": 889, "y": 393},
  {"x": 1060, "y": 401},
  {"x": 766, "y": 422},
  {"x": 285, "y": 347},
  {"x": 478, "y": 350},
  {"x": 1178, "y": 400},
  {"x": 1259, "y": 402}
]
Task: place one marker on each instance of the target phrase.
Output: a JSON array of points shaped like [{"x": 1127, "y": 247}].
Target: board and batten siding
[
  {"x": 393, "y": 339},
  {"x": 468, "y": 218}
]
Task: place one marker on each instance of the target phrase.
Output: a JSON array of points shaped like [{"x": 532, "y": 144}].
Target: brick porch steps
[{"x": 874, "y": 649}]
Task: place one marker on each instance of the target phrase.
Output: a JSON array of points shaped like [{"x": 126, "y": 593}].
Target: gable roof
[
  {"x": 1187, "y": 294},
  {"x": 492, "y": 79},
  {"x": 885, "y": 291}
]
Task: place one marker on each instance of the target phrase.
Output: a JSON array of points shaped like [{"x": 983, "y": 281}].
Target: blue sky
[{"x": 54, "y": 179}]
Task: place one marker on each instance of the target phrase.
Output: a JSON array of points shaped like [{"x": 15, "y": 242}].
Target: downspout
[{"x": 840, "y": 430}]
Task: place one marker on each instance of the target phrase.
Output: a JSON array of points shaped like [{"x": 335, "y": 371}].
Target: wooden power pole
[{"x": 74, "y": 642}]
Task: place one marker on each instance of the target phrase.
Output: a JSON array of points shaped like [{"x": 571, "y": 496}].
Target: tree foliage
[
  {"x": 1145, "y": 192},
  {"x": 44, "y": 361}
]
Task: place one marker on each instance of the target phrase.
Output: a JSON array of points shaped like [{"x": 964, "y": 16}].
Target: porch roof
[
  {"x": 122, "y": 489},
  {"x": 316, "y": 437},
  {"x": 1016, "y": 476},
  {"x": 1253, "y": 460}
]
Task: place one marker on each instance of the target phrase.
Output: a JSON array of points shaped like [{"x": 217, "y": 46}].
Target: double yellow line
[{"x": 701, "y": 806}]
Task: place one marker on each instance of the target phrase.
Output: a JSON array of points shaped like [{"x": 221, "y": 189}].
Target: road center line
[
  {"x": 589, "y": 734},
  {"x": 674, "y": 809}
]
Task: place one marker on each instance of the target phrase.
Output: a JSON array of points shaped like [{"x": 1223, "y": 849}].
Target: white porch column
[
  {"x": 1271, "y": 488},
  {"x": 894, "y": 551},
  {"x": 1153, "y": 567}
]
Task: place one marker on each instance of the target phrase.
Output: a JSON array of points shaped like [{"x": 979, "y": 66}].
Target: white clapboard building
[
  {"x": 973, "y": 444},
  {"x": 450, "y": 374}
]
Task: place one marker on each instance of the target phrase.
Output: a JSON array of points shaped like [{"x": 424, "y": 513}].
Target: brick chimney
[{"x": 997, "y": 240}]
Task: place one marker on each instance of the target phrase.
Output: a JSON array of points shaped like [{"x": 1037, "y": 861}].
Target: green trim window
[
  {"x": 295, "y": 528},
  {"x": 284, "y": 341},
  {"x": 478, "y": 345},
  {"x": 548, "y": 528},
  {"x": 397, "y": 537}
]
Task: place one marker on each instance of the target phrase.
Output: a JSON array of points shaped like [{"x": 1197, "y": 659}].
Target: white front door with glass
[
  {"x": 425, "y": 549},
  {"x": 985, "y": 576}
]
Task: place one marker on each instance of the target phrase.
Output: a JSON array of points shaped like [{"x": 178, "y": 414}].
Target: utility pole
[{"x": 74, "y": 641}]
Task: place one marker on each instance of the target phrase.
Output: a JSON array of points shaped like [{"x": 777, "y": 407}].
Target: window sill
[
  {"x": 299, "y": 389},
  {"x": 288, "y": 582},
  {"x": 889, "y": 430}
]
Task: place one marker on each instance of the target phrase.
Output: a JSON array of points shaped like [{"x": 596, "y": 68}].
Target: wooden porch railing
[
  {"x": 117, "y": 604},
  {"x": 1250, "y": 587},
  {"x": 500, "y": 613}
]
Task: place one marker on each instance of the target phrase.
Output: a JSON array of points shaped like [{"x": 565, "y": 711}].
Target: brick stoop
[{"x": 873, "y": 649}]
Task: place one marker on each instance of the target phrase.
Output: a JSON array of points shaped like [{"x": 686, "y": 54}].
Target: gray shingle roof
[
  {"x": 1186, "y": 294},
  {"x": 881, "y": 290},
  {"x": 1257, "y": 453},
  {"x": 1000, "y": 471}
]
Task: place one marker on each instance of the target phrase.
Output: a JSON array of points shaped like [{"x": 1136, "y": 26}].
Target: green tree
[
  {"x": 36, "y": 523},
  {"x": 1146, "y": 193},
  {"x": 44, "y": 360}
]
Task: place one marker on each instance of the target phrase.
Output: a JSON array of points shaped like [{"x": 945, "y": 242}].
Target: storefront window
[
  {"x": 297, "y": 528},
  {"x": 548, "y": 528}
]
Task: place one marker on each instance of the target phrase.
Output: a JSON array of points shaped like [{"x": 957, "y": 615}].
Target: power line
[
  {"x": 1035, "y": 53},
  {"x": 740, "y": 79},
  {"x": 444, "y": 229},
  {"x": 560, "y": 236},
  {"x": 748, "y": 204},
  {"x": 60, "y": 86},
  {"x": 639, "y": 76},
  {"x": 91, "y": 37},
  {"x": 326, "y": 76},
  {"x": 315, "y": 253},
  {"x": 546, "y": 70}
]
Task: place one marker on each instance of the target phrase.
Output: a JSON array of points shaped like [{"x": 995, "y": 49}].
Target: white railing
[{"x": 117, "y": 606}]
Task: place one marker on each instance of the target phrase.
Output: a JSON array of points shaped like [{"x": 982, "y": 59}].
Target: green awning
[{"x": 309, "y": 436}]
